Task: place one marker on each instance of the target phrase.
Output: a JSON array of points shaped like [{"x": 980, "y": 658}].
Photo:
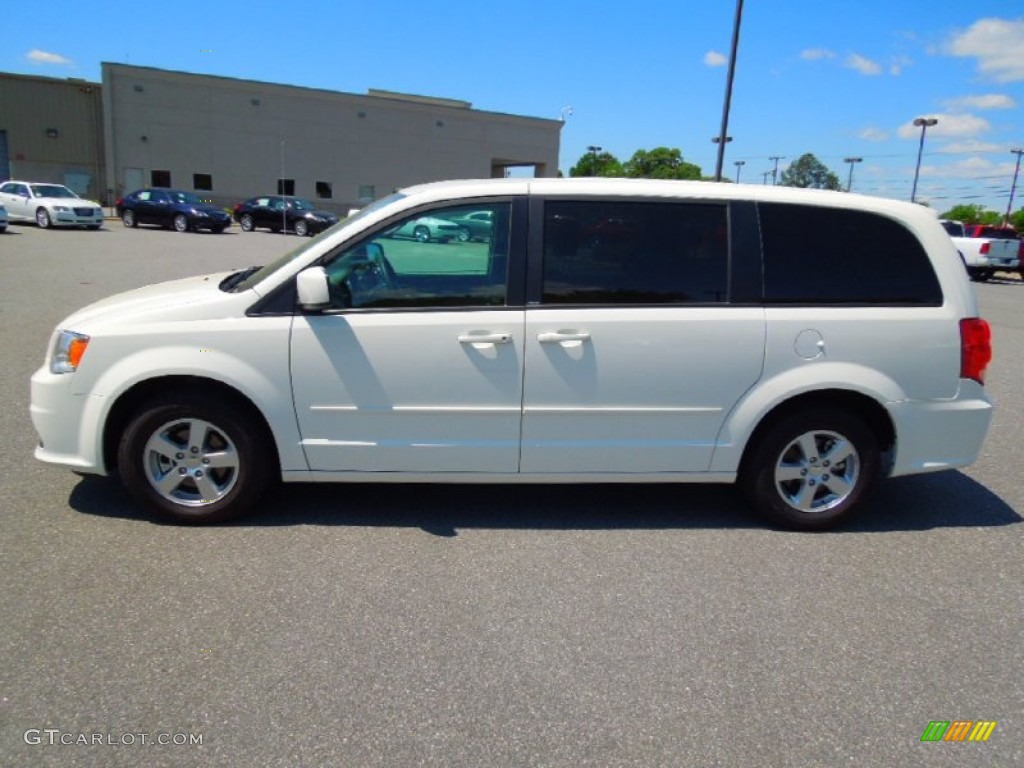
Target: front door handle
[
  {"x": 558, "y": 337},
  {"x": 485, "y": 338}
]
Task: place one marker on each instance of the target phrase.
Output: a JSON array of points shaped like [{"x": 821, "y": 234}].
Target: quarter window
[
  {"x": 599, "y": 252},
  {"x": 816, "y": 255},
  {"x": 432, "y": 259}
]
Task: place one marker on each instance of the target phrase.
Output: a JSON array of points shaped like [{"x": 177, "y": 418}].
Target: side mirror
[{"x": 313, "y": 291}]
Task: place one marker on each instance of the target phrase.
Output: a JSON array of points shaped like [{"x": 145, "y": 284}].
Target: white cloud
[
  {"x": 863, "y": 65},
  {"x": 715, "y": 59},
  {"x": 984, "y": 101},
  {"x": 898, "y": 64},
  {"x": 873, "y": 134},
  {"x": 815, "y": 54},
  {"x": 971, "y": 146},
  {"x": 998, "y": 46},
  {"x": 948, "y": 127},
  {"x": 44, "y": 57}
]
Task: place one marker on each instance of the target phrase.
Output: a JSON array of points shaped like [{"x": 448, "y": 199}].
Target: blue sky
[{"x": 838, "y": 79}]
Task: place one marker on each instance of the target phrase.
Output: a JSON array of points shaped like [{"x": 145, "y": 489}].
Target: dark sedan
[
  {"x": 185, "y": 211},
  {"x": 276, "y": 212}
]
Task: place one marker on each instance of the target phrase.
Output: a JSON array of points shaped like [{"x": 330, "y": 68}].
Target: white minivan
[{"x": 800, "y": 343}]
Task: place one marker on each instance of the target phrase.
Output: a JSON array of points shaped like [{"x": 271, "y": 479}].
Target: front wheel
[
  {"x": 194, "y": 459},
  {"x": 180, "y": 222},
  {"x": 301, "y": 228},
  {"x": 809, "y": 470},
  {"x": 43, "y": 218}
]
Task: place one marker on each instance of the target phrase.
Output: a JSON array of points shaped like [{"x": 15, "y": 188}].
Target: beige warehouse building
[{"x": 230, "y": 139}]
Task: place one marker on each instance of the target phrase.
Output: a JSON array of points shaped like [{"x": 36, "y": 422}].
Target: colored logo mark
[{"x": 958, "y": 730}]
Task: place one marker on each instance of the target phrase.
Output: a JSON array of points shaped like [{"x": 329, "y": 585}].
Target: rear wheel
[
  {"x": 128, "y": 219},
  {"x": 181, "y": 222},
  {"x": 246, "y": 223},
  {"x": 809, "y": 470},
  {"x": 42, "y": 218},
  {"x": 194, "y": 459}
]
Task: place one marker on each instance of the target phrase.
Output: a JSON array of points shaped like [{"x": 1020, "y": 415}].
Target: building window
[
  {"x": 286, "y": 186},
  {"x": 324, "y": 190},
  {"x": 367, "y": 193},
  {"x": 160, "y": 178},
  {"x": 202, "y": 181}
]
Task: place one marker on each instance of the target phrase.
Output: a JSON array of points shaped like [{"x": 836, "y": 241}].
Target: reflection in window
[
  {"x": 435, "y": 259},
  {"x": 634, "y": 253}
]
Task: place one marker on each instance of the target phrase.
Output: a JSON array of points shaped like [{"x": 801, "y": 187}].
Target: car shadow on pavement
[{"x": 945, "y": 500}]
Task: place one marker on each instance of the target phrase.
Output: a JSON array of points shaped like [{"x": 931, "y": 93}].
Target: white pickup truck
[{"x": 988, "y": 252}]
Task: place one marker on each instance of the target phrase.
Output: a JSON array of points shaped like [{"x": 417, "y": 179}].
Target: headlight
[
  {"x": 200, "y": 214},
  {"x": 61, "y": 208},
  {"x": 68, "y": 351}
]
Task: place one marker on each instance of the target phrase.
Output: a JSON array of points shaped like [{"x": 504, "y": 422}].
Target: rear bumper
[{"x": 935, "y": 435}]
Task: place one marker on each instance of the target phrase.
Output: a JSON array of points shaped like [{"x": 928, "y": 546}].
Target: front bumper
[
  {"x": 83, "y": 217},
  {"x": 67, "y": 424}
]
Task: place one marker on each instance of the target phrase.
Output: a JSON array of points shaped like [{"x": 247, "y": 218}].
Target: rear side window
[
  {"x": 818, "y": 255},
  {"x": 610, "y": 252}
]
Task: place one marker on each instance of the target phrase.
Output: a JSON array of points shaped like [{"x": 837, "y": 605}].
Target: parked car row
[{"x": 985, "y": 249}]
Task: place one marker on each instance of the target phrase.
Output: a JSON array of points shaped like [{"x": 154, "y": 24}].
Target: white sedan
[{"x": 49, "y": 205}]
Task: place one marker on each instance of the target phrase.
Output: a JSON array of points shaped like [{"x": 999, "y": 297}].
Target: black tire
[
  {"x": 302, "y": 228},
  {"x": 128, "y": 219},
  {"x": 93, "y": 227},
  {"x": 219, "y": 229},
  {"x": 246, "y": 223},
  {"x": 180, "y": 223},
  {"x": 221, "y": 476},
  {"x": 825, "y": 487},
  {"x": 43, "y": 218}
]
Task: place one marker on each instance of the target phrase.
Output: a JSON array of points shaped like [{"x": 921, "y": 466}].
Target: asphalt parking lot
[{"x": 489, "y": 626}]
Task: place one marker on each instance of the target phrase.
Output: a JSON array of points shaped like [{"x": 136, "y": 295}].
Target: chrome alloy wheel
[
  {"x": 817, "y": 471},
  {"x": 191, "y": 462}
]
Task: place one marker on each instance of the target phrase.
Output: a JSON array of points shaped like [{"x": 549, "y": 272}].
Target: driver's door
[{"x": 417, "y": 366}]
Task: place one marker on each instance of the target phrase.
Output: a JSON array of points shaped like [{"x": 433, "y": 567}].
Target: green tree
[
  {"x": 1017, "y": 220},
  {"x": 597, "y": 164},
  {"x": 660, "y": 163},
  {"x": 969, "y": 214},
  {"x": 809, "y": 172}
]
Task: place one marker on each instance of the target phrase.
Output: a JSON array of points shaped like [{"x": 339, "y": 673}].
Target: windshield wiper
[{"x": 231, "y": 281}]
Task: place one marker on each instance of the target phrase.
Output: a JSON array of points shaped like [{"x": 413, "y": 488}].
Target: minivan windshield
[{"x": 264, "y": 272}]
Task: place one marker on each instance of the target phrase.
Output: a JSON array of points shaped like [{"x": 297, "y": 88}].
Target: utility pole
[
  {"x": 1013, "y": 187},
  {"x": 851, "y": 161},
  {"x": 775, "y": 170}
]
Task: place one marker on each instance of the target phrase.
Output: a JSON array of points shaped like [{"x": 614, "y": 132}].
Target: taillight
[
  {"x": 120, "y": 200},
  {"x": 975, "y": 348},
  {"x": 985, "y": 247}
]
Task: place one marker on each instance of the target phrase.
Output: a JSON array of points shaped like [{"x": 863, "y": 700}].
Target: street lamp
[
  {"x": 775, "y": 170},
  {"x": 1013, "y": 187},
  {"x": 924, "y": 123},
  {"x": 851, "y": 161},
  {"x": 739, "y": 164},
  {"x": 593, "y": 158},
  {"x": 728, "y": 89}
]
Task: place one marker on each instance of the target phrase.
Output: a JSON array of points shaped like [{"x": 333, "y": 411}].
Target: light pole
[
  {"x": 1013, "y": 187},
  {"x": 739, "y": 164},
  {"x": 593, "y": 158},
  {"x": 728, "y": 89},
  {"x": 764, "y": 177},
  {"x": 851, "y": 161},
  {"x": 924, "y": 123},
  {"x": 775, "y": 170}
]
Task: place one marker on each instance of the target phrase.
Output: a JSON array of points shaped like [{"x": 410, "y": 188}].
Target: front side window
[
  {"x": 426, "y": 260},
  {"x": 607, "y": 252}
]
